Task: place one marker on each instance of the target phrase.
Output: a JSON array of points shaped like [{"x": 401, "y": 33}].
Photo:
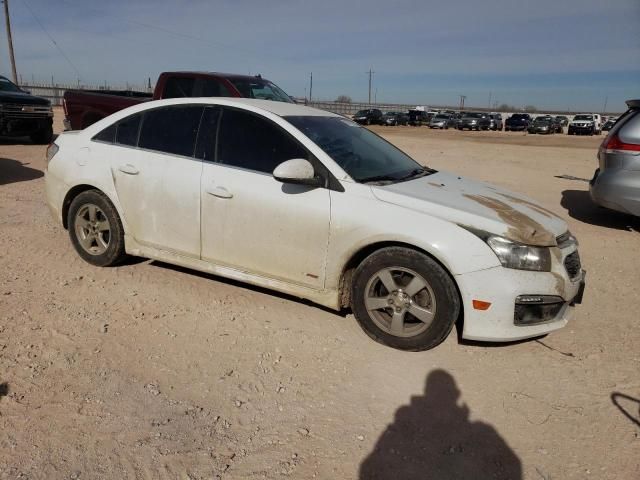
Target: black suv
[
  {"x": 372, "y": 116},
  {"x": 23, "y": 115},
  {"x": 545, "y": 124},
  {"x": 517, "y": 122}
]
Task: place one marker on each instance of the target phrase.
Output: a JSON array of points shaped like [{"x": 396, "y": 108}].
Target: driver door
[{"x": 252, "y": 222}]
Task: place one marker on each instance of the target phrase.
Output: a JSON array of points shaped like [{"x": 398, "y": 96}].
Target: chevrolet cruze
[{"x": 310, "y": 203}]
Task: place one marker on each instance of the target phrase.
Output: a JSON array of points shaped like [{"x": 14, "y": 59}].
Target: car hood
[
  {"x": 22, "y": 98},
  {"x": 477, "y": 205}
]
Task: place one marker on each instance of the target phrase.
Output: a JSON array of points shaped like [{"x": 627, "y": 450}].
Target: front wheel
[
  {"x": 95, "y": 229},
  {"x": 404, "y": 299}
]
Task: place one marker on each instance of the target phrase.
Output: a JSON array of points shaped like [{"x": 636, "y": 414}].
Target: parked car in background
[
  {"x": 442, "y": 121},
  {"x": 85, "y": 107},
  {"x": 608, "y": 125},
  {"x": 370, "y": 116},
  {"x": 517, "y": 122},
  {"x": 544, "y": 124},
  {"x": 418, "y": 118},
  {"x": 474, "y": 121},
  {"x": 306, "y": 202},
  {"x": 24, "y": 115},
  {"x": 616, "y": 181},
  {"x": 395, "y": 118},
  {"x": 562, "y": 120},
  {"x": 585, "y": 124},
  {"x": 495, "y": 122}
]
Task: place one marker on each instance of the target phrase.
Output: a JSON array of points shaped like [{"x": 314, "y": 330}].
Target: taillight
[
  {"x": 52, "y": 149},
  {"x": 64, "y": 107},
  {"x": 613, "y": 144}
]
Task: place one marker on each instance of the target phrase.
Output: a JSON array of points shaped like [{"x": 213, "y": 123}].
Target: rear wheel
[
  {"x": 95, "y": 229},
  {"x": 404, "y": 299}
]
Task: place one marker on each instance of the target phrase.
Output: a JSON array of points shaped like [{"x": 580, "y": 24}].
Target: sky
[{"x": 560, "y": 54}]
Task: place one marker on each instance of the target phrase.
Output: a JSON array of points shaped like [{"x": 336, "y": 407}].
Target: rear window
[
  {"x": 178, "y": 87},
  {"x": 583, "y": 117},
  {"x": 260, "y": 89}
]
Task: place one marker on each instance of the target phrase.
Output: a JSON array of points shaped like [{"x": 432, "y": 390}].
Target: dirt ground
[{"x": 152, "y": 371}]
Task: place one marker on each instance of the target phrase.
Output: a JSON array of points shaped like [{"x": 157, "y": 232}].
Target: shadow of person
[
  {"x": 579, "y": 206},
  {"x": 12, "y": 171},
  {"x": 432, "y": 438}
]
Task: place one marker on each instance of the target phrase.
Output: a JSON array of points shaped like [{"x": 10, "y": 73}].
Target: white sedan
[{"x": 309, "y": 203}]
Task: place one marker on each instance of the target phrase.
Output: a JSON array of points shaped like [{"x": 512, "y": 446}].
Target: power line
[{"x": 51, "y": 38}]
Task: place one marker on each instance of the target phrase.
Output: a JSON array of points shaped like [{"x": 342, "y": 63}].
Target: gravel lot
[{"x": 152, "y": 371}]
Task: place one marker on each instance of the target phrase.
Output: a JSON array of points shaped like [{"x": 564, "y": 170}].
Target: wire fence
[{"x": 54, "y": 92}]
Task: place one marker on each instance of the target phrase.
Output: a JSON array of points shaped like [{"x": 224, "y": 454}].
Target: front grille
[
  {"x": 25, "y": 111},
  {"x": 572, "y": 264}
]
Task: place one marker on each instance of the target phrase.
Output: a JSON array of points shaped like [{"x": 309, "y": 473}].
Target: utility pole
[
  {"x": 462, "y": 97},
  {"x": 604, "y": 109},
  {"x": 10, "y": 40},
  {"x": 310, "y": 86},
  {"x": 489, "y": 104},
  {"x": 370, "y": 72}
]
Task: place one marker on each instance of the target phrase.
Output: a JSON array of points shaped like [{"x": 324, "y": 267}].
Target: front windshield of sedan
[
  {"x": 542, "y": 120},
  {"x": 361, "y": 113},
  {"x": 473, "y": 115},
  {"x": 441, "y": 117},
  {"x": 583, "y": 117},
  {"x": 365, "y": 156}
]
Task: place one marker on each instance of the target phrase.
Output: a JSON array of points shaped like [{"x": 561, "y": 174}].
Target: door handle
[
  {"x": 219, "y": 192},
  {"x": 128, "y": 169}
]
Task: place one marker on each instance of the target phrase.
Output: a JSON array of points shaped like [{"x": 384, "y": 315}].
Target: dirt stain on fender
[
  {"x": 522, "y": 228},
  {"x": 559, "y": 283},
  {"x": 439, "y": 185}
]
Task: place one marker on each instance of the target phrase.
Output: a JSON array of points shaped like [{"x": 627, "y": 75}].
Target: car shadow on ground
[
  {"x": 247, "y": 286},
  {"x": 12, "y": 171},
  {"x": 433, "y": 438},
  {"x": 579, "y": 206}
]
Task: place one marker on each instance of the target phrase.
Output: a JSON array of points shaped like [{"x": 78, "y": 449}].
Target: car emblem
[{"x": 28, "y": 109}]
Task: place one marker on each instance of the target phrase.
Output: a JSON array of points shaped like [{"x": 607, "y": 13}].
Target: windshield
[
  {"x": 441, "y": 117},
  {"x": 362, "y": 113},
  {"x": 365, "y": 156},
  {"x": 473, "y": 115},
  {"x": 260, "y": 89},
  {"x": 542, "y": 120},
  {"x": 519, "y": 116},
  {"x": 7, "y": 86},
  {"x": 583, "y": 117},
  {"x": 391, "y": 114}
]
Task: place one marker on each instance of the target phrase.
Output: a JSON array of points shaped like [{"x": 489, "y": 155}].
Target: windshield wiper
[
  {"x": 379, "y": 178},
  {"x": 415, "y": 173}
]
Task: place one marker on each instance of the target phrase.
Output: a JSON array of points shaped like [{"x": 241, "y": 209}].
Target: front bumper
[
  {"x": 502, "y": 287},
  {"x": 616, "y": 189},
  {"x": 67, "y": 124},
  {"x": 580, "y": 129}
]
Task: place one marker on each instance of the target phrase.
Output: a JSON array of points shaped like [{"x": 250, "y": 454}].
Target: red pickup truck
[{"x": 85, "y": 107}]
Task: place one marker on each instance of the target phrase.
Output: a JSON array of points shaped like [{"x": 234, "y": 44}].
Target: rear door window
[
  {"x": 171, "y": 129},
  {"x": 206, "y": 142},
  {"x": 210, "y": 87},
  {"x": 128, "y": 129}
]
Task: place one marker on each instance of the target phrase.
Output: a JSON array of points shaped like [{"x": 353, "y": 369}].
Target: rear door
[{"x": 157, "y": 177}]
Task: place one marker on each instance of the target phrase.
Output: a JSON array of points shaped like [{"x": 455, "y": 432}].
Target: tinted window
[
  {"x": 248, "y": 141},
  {"x": 259, "y": 88},
  {"x": 128, "y": 128},
  {"x": 178, "y": 87},
  {"x": 205, "y": 146},
  {"x": 208, "y": 87},
  {"x": 171, "y": 129},
  {"x": 107, "y": 135}
]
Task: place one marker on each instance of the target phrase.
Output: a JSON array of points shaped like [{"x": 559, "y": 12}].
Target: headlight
[{"x": 516, "y": 255}]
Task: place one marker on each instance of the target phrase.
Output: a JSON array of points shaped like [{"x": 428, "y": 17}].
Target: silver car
[{"x": 616, "y": 183}]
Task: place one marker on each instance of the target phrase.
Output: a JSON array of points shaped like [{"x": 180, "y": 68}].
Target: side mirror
[{"x": 298, "y": 171}]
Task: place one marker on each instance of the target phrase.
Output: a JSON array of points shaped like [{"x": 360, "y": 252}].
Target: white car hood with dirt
[{"x": 478, "y": 205}]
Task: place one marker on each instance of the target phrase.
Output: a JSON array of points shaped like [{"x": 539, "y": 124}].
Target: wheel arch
[
  {"x": 358, "y": 256},
  {"x": 71, "y": 194}
]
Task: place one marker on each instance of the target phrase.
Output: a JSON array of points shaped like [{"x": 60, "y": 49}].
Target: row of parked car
[{"x": 589, "y": 124}]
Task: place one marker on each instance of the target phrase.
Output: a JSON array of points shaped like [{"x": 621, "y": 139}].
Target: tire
[
  {"x": 436, "y": 300},
  {"x": 97, "y": 245},
  {"x": 43, "y": 137}
]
